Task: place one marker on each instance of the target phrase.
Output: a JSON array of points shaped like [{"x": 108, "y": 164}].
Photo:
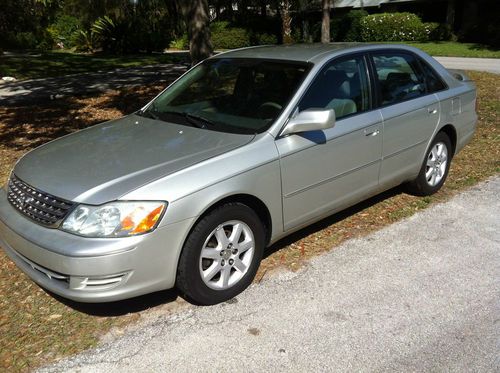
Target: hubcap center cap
[{"x": 226, "y": 254}]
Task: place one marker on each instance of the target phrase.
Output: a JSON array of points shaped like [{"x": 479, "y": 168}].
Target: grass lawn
[
  {"x": 36, "y": 328},
  {"x": 454, "y": 49},
  {"x": 57, "y": 63}
]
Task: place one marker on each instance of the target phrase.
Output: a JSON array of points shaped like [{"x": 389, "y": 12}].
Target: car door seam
[
  {"x": 325, "y": 181},
  {"x": 403, "y": 150}
]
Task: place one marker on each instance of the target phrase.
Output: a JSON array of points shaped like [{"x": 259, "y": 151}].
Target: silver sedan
[{"x": 245, "y": 148}]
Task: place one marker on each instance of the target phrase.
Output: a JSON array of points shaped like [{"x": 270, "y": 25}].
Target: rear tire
[
  {"x": 434, "y": 169},
  {"x": 221, "y": 255}
]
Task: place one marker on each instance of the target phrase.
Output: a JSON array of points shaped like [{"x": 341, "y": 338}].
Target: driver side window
[{"x": 342, "y": 85}]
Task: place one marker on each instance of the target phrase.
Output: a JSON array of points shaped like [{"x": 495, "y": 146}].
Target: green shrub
[
  {"x": 430, "y": 29},
  {"x": 84, "y": 41},
  {"x": 230, "y": 39},
  {"x": 181, "y": 43},
  {"x": 225, "y": 37},
  {"x": 393, "y": 27},
  {"x": 438, "y": 31},
  {"x": 345, "y": 28},
  {"x": 264, "y": 39},
  {"x": 219, "y": 26},
  {"x": 351, "y": 25},
  {"x": 63, "y": 30},
  {"x": 21, "y": 40}
]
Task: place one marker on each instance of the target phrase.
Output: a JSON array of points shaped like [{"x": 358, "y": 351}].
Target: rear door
[{"x": 409, "y": 112}]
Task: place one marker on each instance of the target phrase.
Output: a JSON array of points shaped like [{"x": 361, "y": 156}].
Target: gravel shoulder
[{"x": 419, "y": 295}]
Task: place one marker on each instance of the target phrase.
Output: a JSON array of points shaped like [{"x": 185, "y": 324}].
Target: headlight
[{"x": 116, "y": 219}]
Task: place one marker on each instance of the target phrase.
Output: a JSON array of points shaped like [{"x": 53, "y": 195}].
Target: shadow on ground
[
  {"x": 123, "y": 307},
  {"x": 332, "y": 219},
  {"x": 23, "y": 127},
  {"x": 34, "y": 91},
  {"x": 36, "y": 64}
]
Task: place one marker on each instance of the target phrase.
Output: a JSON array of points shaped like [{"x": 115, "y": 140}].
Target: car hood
[{"x": 106, "y": 161}]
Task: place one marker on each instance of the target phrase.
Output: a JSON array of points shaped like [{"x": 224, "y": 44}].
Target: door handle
[
  {"x": 432, "y": 110},
  {"x": 372, "y": 132}
]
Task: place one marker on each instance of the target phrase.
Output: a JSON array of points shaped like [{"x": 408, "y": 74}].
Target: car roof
[{"x": 305, "y": 52}]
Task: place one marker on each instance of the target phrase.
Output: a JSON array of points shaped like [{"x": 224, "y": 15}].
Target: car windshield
[{"x": 230, "y": 95}]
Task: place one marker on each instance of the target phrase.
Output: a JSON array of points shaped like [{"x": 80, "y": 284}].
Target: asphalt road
[{"x": 419, "y": 295}]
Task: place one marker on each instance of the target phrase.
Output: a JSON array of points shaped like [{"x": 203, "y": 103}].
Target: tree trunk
[
  {"x": 198, "y": 21},
  {"x": 325, "y": 24},
  {"x": 450, "y": 14},
  {"x": 286, "y": 21}
]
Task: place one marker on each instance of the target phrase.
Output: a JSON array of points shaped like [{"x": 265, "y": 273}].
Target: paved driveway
[
  {"x": 491, "y": 65},
  {"x": 420, "y": 295}
]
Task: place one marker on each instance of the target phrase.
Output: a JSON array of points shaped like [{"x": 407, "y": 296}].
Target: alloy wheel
[
  {"x": 226, "y": 255},
  {"x": 437, "y": 162}
]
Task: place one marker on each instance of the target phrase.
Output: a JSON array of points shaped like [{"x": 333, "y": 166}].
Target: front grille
[{"x": 37, "y": 205}]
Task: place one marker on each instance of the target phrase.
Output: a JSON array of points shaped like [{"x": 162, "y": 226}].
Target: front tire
[
  {"x": 221, "y": 255},
  {"x": 435, "y": 167}
]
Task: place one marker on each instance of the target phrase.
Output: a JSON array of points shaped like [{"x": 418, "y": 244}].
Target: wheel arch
[
  {"x": 451, "y": 132},
  {"x": 253, "y": 202}
]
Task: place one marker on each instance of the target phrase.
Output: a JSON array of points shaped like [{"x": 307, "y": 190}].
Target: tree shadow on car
[{"x": 332, "y": 219}]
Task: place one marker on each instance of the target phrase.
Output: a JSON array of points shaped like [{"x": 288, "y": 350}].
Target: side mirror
[{"x": 310, "y": 120}]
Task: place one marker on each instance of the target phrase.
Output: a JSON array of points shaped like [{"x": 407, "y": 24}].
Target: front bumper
[{"x": 91, "y": 269}]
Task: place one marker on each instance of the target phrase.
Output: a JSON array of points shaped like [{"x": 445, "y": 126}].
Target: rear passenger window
[
  {"x": 399, "y": 77},
  {"x": 434, "y": 83},
  {"x": 342, "y": 85}
]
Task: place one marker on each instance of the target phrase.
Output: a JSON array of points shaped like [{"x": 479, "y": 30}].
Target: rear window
[
  {"x": 399, "y": 77},
  {"x": 434, "y": 82}
]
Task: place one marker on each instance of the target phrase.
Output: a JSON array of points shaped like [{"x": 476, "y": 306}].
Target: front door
[{"x": 325, "y": 171}]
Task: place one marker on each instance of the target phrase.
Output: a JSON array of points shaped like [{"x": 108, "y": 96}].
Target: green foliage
[
  {"x": 104, "y": 27},
  {"x": 257, "y": 24},
  {"x": 393, "y": 27},
  {"x": 351, "y": 25},
  {"x": 84, "y": 41},
  {"x": 343, "y": 28},
  {"x": 219, "y": 26},
  {"x": 63, "y": 30},
  {"x": 225, "y": 37},
  {"x": 264, "y": 39},
  {"x": 181, "y": 43},
  {"x": 22, "y": 40},
  {"x": 108, "y": 35},
  {"x": 438, "y": 31},
  {"x": 102, "y": 34}
]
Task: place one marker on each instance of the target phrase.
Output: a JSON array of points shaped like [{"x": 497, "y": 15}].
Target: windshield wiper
[
  {"x": 192, "y": 119},
  {"x": 195, "y": 117}
]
